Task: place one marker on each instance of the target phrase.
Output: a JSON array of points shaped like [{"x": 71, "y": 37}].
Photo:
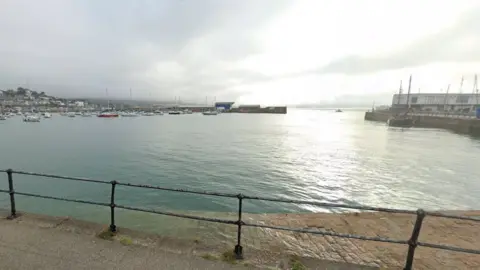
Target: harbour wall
[
  {"x": 457, "y": 124},
  {"x": 274, "y": 110},
  {"x": 266, "y": 248}
]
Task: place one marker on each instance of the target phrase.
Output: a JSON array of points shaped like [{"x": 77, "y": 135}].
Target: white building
[
  {"x": 438, "y": 101},
  {"x": 79, "y": 104}
]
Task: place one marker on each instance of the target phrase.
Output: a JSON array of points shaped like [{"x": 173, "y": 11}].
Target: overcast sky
[{"x": 249, "y": 51}]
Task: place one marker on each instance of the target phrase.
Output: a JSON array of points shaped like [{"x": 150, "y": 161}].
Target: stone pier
[{"x": 462, "y": 125}]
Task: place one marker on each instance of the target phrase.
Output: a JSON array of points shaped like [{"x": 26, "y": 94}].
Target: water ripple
[{"x": 308, "y": 155}]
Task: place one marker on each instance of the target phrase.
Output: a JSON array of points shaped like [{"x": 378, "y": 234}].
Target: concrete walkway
[{"x": 24, "y": 245}]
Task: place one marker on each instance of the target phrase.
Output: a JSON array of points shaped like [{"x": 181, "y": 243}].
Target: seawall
[
  {"x": 470, "y": 126},
  {"x": 266, "y": 247},
  {"x": 459, "y": 125},
  {"x": 379, "y": 116}
]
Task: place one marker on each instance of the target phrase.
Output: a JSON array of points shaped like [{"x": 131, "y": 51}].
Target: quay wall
[
  {"x": 274, "y": 110},
  {"x": 379, "y": 116},
  {"x": 264, "y": 247},
  {"x": 470, "y": 126}
]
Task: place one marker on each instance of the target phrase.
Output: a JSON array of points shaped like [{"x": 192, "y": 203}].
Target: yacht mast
[
  {"x": 399, "y": 93},
  {"x": 408, "y": 94}
]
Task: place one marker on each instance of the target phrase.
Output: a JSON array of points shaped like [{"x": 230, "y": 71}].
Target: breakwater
[
  {"x": 456, "y": 123},
  {"x": 273, "y": 110}
]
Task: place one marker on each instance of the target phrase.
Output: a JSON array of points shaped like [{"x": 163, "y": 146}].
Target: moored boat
[
  {"x": 129, "y": 114},
  {"x": 210, "y": 113},
  {"x": 108, "y": 114},
  {"x": 31, "y": 118}
]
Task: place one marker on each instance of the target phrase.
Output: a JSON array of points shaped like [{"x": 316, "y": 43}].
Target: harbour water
[{"x": 307, "y": 154}]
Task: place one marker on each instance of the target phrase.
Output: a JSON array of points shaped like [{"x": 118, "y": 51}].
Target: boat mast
[
  {"x": 446, "y": 99},
  {"x": 399, "y": 93},
  {"x": 461, "y": 85},
  {"x": 408, "y": 93},
  {"x": 475, "y": 89},
  {"x": 108, "y": 100}
]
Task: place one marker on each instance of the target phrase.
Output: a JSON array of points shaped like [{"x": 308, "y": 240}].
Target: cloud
[
  {"x": 458, "y": 43},
  {"x": 162, "y": 47},
  {"x": 245, "y": 50}
]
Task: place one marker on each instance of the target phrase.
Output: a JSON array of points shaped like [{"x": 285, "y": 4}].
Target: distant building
[
  {"x": 79, "y": 104},
  {"x": 223, "y": 105},
  {"x": 437, "y": 101}
]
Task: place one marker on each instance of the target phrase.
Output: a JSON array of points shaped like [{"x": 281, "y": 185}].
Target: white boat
[
  {"x": 108, "y": 114},
  {"x": 71, "y": 114},
  {"x": 47, "y": 115},
  {"x": 210, "y": 113},
  {"x": 158, "y": 112},
  {"x": 187, "y": 111},
  {"x": 78, "y": 113},
  {"x": 3, "y": 117},
  {"x": 148, "y": 114},
  {"x": 129, "y": 114},
  {"x": 31, "y": 118},
  {"x": 85, "y": 114}
]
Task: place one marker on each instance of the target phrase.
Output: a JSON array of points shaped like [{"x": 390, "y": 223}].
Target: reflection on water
[{"x": 306, "y": 154}]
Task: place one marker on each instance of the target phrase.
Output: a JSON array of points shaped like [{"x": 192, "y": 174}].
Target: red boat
[{"x": 108, "y": 114}]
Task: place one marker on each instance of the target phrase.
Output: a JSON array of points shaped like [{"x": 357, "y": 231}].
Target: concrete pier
[{"x": 456, "y": 123}]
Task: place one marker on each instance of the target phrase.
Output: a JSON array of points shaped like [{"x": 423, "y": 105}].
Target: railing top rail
[
  {"x": 271, "y": 199},
  {"x": 62, "y": 177},
  {"x": 200, "y": 192}
]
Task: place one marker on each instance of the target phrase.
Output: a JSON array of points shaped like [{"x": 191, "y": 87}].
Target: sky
[{"x": 269, "y": 52}]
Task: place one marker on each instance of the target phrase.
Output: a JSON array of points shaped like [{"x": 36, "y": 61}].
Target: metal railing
[{"x": 412, "y": 242}]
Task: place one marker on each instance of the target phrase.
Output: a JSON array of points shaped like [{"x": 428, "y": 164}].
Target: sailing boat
[
  {"x": 403, "y": 120},
  {"x": 211, "y": 112},
  {"x": 108, "y": 113},
  {"x": 175, "y": 111}
]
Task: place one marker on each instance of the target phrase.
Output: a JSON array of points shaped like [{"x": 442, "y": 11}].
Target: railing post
[
  {"x": 238, "y": 248},
  {"x": 113, "y": 228},
  {"x": 412, "y": 243},
  {"x": 13, "y": 210}
]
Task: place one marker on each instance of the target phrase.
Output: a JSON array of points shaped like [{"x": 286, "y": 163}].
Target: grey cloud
[
  {"x": 81, "y": 47},
  {"x": 439, "y": 47}
]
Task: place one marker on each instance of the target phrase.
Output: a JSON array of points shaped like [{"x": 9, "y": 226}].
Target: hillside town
[{"x": 24, "y": 99}]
